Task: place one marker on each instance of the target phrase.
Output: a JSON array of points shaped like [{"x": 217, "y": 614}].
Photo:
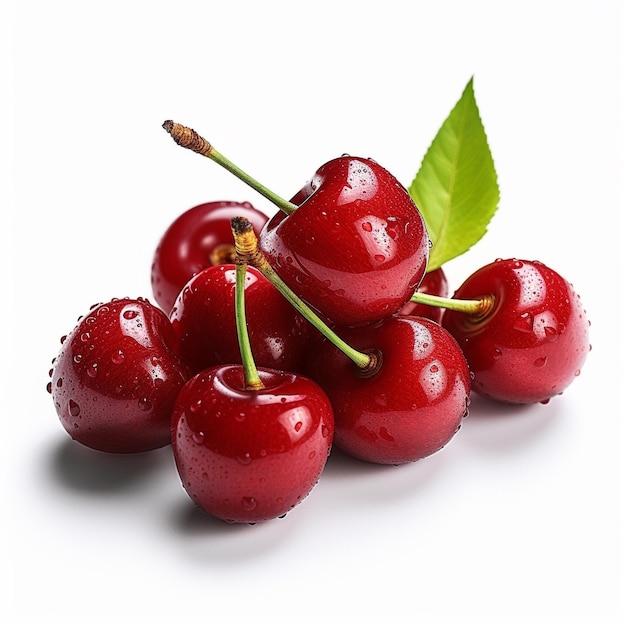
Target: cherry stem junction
[
  {"x": 247, "y": 247},
  {"x": 188, "y": 138},
  {"x": 476, "y": 308},
  {"x": 252, "y": 380}
]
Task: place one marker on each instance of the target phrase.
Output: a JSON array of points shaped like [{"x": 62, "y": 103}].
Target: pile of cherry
[{"x": 356, "y": 359}]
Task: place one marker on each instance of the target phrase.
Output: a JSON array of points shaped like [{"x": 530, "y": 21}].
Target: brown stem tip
[
  {"x": 187, "y": 137},
  {"x": 246, "y": 243}
]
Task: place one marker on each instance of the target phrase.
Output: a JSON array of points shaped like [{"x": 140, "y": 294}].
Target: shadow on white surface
[
  {"x": 81, "y": 469},
  {"x": 501, "y": 429}
]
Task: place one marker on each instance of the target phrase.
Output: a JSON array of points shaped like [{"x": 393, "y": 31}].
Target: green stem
[
  {"x": 250, "y": 372},
  {"x": 478, "y": 307},
  {"x": 246, "y": 244},
  {"x": 189, "y": 138}
]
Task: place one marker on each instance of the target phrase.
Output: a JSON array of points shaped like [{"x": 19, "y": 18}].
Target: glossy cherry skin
[
  {"x": 117, "y": 376},
  {"x": 356, "y": 248},
  {"x": 198, "y": 238},
  {"x": 435, "y": 283},
  {"x": 412, "y": 406},
  {"x": 250, "y": 456},
  {"x": 533, "y": 343},
  {"x": 203, "y": 318}
]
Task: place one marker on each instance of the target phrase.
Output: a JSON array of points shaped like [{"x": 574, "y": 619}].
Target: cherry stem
[
  {"x": 247, "y": 246},
  {"x": 188, "y": 138},
  {"x": 252, "y": 381},
  {"x": 476, "y": 308}
]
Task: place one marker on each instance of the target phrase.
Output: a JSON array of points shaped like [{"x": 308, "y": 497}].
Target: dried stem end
[
  {"x": 246, "y": 243},
  {"x": 188, "y": 138}
]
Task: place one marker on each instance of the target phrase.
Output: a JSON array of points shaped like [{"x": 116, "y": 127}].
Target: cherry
[
  {"x": 412, "y": 406},
  {"x": 436, "y": 283},
  {"x": 250, "y": 455},
  {"x": 198, "y": 238},
  {"x": 531, "y": 339},
  {"x": 355, "y": 249},
  {"x": 364, "y": 249},
  {"x": 203, "y": 318},
  {"x": 117, "y": 376}
]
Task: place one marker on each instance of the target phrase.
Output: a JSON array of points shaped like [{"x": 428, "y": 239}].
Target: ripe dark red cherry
[
  {"x": 412, "y": 406},
  {"x": 435, "y": 283},
  {"x": 203, "y": 318},
  {"x": 533, "y": 342},
  {"x": 250, "y": 456},
  {"x": 356, "y": 248},
  {"x": 117, "y": 376},
  {"x": 198, "y": 238}
]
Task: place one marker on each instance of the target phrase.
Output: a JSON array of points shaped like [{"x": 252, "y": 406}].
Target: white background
[{"x": 520, "y": 518}]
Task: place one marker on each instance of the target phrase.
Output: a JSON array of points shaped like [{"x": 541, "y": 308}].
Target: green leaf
[{"x": 456, "y": 188}]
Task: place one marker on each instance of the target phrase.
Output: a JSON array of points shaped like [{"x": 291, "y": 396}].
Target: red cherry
[
  {"x": 250, "y": 456},
  {"x": 532, "y": 343},
  {"x": 117, "y": 376},
  {"x": 356, "y": 247},
  {"x": 198, "y": 238},
  {"x": 408, "y": 409},
  {"x": 203, "y": 318},
  {"x": 435, "y": 283}
]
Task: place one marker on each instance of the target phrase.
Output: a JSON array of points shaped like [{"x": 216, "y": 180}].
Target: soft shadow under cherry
[{"x": 79, "y": 468}]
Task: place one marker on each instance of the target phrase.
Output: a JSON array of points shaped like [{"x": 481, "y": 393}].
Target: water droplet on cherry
[
  {"x": 118, "y": 357},
  {"x": 73, "y": 408},
  {"x": 198, "y": 437},
  {"x": 244, "y": 459},
  {"x": 248, "y": 503},
  {"x": 381, "y": 399},
  {"x": 144, "y": 404}
]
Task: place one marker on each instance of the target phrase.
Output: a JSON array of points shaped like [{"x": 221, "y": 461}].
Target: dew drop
[
  {"x": 381, "y": 399},
  {"x": 244, "y": 459},
  {"x": 297, "y": 426},
  {"x": 85, "y": 337},
  {"x": 367, "y": 227},
  {"x": 144, "y": 404},
  {"x": 524, "y": 323},
  {"x": 198, "y": 437},
  {"x": 130, "y": 314},
  {"x": 379, "y": 257},
  {"x": 248, "y": 503},
  {"x": 541, "y": 361},
  {"x": 312, "y": 455},
  {"x": 325, "y": 431},
  {"x": 73, "y": 408},
  {"x": 49, "y": 387},
  {"x": 497, "y": 354},
  {"x": 59, "y": 383},
  {"x": 92, "y": 370},
  {"x": 118, "y": 357},
  {"x": 78, "y": 358},
  {"x": 551, "y": 333},
  {"x": 434, "y": 369}
]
